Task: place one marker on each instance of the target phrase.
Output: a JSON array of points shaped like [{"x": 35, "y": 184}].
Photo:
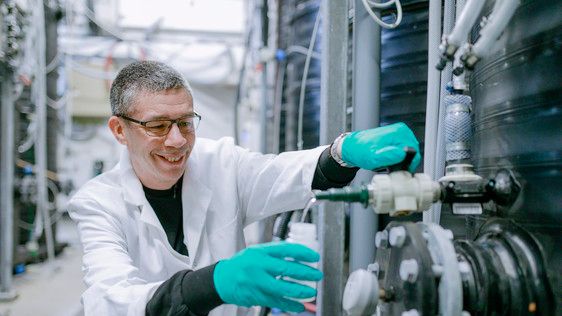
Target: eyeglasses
[{"x": 158, "y": 128}]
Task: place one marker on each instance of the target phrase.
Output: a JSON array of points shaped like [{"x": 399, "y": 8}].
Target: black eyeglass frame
[{"x": 176, "y": 121}]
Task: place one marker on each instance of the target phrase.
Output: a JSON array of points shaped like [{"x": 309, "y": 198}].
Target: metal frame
[
  {"x": 333, "y": 91},
  {"x": 7, "y": 150},
  {"x": 366, "y": 114},
  {"x": 40, "y": 145}
]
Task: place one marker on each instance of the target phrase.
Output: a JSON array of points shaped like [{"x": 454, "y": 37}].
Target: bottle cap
[{"x": 303, "y": 229}]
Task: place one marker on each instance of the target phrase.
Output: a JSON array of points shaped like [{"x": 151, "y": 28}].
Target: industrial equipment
[
  {"x": 421, "y": 270},
  {"x": 492, "y": 246}
]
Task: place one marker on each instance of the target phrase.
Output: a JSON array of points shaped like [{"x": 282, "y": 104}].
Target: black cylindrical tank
[
  {"x": 404, "y": 69},
  {"x": 517, "y": 104},
  {"x": 296, "y": 27},
  {"x": 404, "y": 76}
]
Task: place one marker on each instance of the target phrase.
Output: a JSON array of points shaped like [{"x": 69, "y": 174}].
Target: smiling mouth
[{"x": 172, "y": 159}]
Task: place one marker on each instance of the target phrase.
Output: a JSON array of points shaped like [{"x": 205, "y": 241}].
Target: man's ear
[{"x": 116, "y": 127}]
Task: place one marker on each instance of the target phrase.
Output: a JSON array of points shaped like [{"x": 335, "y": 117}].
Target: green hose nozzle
[{"x": 345, "y": 194}]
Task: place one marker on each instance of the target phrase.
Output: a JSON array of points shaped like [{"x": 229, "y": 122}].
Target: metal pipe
[
  {"x": 264, "y": 80},
  {"x": 6, "y": 188},
  {"x": 7, "y": 151},
  {"x": 446, "y": 77},
  {"x": 366, "y": 113},
  {"x": 51, "y": 35},
  {"x": 433, "y": 92},
  {"x": 264, "y": 109},
  {"x": 333, "y": 97},
  {"x": 280, "y": 67},
  {"x": 40, "y": 147}
]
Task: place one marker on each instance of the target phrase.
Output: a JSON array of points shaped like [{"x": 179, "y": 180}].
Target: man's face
[{"x": 158, "y": 161}]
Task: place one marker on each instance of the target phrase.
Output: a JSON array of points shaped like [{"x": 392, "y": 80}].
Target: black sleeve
[
  {"x": 330, "y": 174},
  {"x": 187, "y": 292}
]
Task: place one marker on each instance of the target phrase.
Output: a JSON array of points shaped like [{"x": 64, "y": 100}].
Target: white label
[{"x": 467, "y": 208}]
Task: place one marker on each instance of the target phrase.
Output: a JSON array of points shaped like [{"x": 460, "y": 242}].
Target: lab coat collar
[
  {"x": 196, "y": 198},
  {"x": 133, "y": 193}
]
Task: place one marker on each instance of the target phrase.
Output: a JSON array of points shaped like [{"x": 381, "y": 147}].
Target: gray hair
[{"x": 143, "y": 76}]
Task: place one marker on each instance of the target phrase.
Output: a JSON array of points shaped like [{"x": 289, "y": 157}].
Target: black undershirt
[
  {"x": 168, "y": 208},
  {"x": 193, "y": 293}
]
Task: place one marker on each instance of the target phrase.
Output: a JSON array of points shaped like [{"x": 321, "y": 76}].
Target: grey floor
[{"x": 51, "y": 289}]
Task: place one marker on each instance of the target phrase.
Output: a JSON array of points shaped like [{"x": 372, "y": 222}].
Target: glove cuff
[{"x": 336, "y": 151}]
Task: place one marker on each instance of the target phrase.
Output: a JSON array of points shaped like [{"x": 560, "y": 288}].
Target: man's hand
[
  {"x": 252, "y": 276},
  {"x": 379, "y": 147}
]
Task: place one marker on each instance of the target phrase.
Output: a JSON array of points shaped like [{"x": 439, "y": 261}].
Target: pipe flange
[
  {"x": 443, "y": 254},
  {"x": 428, "y": 191},
  {"x": 415, "y": 288}
]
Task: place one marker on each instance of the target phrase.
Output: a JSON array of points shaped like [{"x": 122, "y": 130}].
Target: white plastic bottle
[{"x": 305, "y": 234}]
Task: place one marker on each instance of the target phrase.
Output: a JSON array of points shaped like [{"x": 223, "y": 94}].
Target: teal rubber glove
[
  {"x": 380, "y": 147},
  {"x": 251, "y": 277}
]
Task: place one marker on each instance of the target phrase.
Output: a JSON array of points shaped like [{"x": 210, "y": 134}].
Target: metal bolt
[
  {"x": 412, "y": 312},
  {"x": 437, "y": 270},
  {"x": 464, "y": 267},
  {"x": 409, "y": 270},
  {"x": 397, "y": 236},
  {"x": 381, "y": 239},
  {"x": 374, "y": 268}
]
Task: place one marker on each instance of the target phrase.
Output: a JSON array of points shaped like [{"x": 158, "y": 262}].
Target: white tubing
[
  {"x": 446, "y": 76},
  {"x": 382, "y": 5},
  {"x": 467, "y": 18},
  {"x": 498, "y": 21},
  {"x": 433, "y": 92},
  {"x": 377, "y": 19}
]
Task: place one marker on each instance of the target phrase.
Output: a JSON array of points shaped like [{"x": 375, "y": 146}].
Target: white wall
[{"x": 216, "y": 106}]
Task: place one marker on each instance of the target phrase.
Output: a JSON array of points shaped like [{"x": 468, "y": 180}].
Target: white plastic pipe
[
  {"x": 433, "y": 92},
  {"x": 459, "y": 82},
  {"x": 367, "y": 5},
  {"x": 498, "y": 21},
  {"x": 467, "y": 18}
]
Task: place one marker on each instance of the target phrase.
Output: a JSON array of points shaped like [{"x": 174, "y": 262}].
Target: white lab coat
[{"x": 126, "y": 252}]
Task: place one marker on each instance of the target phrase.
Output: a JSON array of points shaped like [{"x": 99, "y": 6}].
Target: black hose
[
  {"x": 264, "y": 311},
  {"x": 283, "y": 228}
]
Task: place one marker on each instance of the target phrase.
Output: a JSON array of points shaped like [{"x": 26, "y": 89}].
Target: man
[{"x": 163, "y": 230}]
